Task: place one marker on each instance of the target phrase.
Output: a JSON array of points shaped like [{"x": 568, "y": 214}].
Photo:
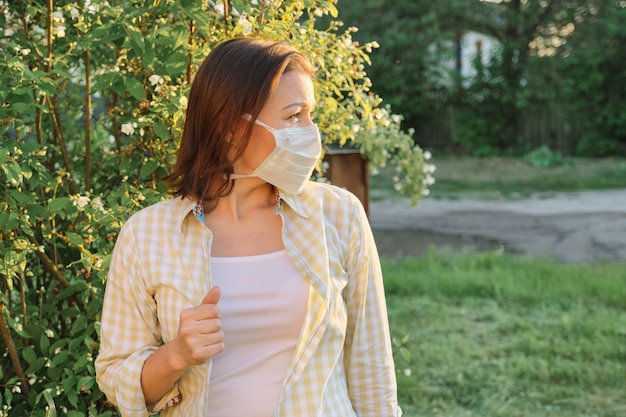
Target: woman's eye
[{"x": 295, "y": 117}]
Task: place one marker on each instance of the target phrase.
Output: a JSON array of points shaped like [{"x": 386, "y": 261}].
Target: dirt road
[{"x": 577, "y": 227}]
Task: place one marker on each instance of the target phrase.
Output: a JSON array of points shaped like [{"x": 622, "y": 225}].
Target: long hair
[{"x": 236, "y": 78}]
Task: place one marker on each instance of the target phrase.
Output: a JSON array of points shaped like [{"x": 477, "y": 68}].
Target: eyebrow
[{"x": 301, "y": 104}]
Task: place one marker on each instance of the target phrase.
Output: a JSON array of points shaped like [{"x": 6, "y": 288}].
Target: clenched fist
[{"x": 200, "y": 335}]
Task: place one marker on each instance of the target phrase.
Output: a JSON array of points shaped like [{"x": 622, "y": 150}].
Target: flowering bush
[{"x": 93, "y": 99}]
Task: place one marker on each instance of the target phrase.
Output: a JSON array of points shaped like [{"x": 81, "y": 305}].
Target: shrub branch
[
  {"x": 10, "y": 344},
  {"x": 47, "y": 262},
  {"x": 87, "y": 121}
]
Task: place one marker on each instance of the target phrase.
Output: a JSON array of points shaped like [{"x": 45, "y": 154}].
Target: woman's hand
[{"x": 200, "y": 335}]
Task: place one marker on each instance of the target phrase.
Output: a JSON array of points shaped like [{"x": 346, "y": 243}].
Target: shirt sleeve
[
  {"x": 129, "y": 332},
  {"x": 368, "y": 354}
]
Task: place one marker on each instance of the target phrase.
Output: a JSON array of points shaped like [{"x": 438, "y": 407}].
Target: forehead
[{"x": 293, "y": 87}]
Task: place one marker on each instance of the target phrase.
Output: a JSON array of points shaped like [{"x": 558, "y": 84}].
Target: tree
[
  {"x": 415, "y": 37},
  {"x": 593, "y": 78},
  {"x": 93, "y": 99}
]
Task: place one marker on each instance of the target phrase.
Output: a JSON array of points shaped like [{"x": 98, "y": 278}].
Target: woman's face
[{"x": 291, "y": 105}]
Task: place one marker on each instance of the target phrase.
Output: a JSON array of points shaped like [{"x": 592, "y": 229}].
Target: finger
[{"x": 212, "y": 296}]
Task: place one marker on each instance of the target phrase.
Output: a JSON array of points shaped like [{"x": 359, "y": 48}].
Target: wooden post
[{"x": 348, "y": 169}]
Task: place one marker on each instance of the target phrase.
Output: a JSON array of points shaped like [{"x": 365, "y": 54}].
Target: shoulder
[
  {"x": 331, "y": 201},
  {"x": 329, "y": 194},
  {"x": 170, "y": 212}
]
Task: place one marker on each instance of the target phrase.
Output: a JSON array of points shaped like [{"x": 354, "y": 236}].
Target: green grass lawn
[
  {"x": 498, "y": 177},
  {"x": 498, "y": 335}
]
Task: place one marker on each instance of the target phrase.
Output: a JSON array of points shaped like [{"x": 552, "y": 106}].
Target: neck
[{"x": 249, "y": 195}]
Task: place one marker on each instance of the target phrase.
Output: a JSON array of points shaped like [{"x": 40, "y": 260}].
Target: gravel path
[{"x": 577, "y": 227}]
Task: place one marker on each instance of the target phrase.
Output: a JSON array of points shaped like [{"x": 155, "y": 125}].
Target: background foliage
[
  {"x": 557, "y": 77},
  {"x": 93, "y": 96}
]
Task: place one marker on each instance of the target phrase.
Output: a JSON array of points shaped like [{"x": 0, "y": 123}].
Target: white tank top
[{"x": 263, "y": 305}]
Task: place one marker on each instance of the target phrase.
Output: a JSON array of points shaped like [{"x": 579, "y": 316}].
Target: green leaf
[
  {"x": 135, "y": 88},
  {"x": 59, "y": 359},
  {"x": 13, "y": 172},
  {"x": 29, "y": 354},
  {"x": 79, "y": 324},
  {"x": 136, "y": 39},
  {"x": 161, "y": 131},
  {"x": 21, "y": 197},
  {"x": 333, "y": 10},
  {"x": 149, "y": 167},
  {"x": 36, "y": 365},
  {"x": 72, "y": 397},
  {"x": 58, "y": 204},
  {"x": 406, "y": 354},
  {"x": 44, "y": 343},
  {"x": 86, "y": 382},
  {"x": 52, "y": 410},
  {"x": 75, "y": 238},
  {"x": 35, "y": 210},
  {"x": 176, "y": 64},
  {"x": 148, "y": 56}
]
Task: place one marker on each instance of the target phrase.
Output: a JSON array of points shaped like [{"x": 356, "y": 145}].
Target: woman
[{"x": 252, "y": 292}]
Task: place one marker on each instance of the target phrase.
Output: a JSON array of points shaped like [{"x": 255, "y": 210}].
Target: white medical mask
[{"x": 289, "y": 166}]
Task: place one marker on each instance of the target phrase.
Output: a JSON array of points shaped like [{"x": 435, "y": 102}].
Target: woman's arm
[
  {"x": 368, "y": 355},
  {"x": 132, "y": 368},
  {"x": 199, "y": 338}
]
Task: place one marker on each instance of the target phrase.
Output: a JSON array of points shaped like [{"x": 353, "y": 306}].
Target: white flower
[
  {"x": 25, "y": 51},
  {"x": 396, "y": 118},
  {"x": 425, "y": 192},
  {"x": 49, "y": 333},
  {"x": 81, "y": 201},
  {"x": 429, "y": 168},
  {"x": 218, "y": 6},
  {"x": 97, "y": 204},
  {"x": 246, "y": 25},
  {"x": 183, "y": 102},
  {"x": 16, "y": 389},
  {"x": 429, "y": 180},
  {"x": 58, "y": 16},
  {"x": 59, "y": 31},
  {"x": 128, "y": 129},
  {"x": 155, "y": 79},
  {"x": 427, "y": 155},
  {"x": 407, "y": 372},
  {"x": 74, "y": 13},
  {"x": 8, "y": 32}
]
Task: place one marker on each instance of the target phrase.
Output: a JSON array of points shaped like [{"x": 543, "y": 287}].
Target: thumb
[{"x": 212, "y": 296}]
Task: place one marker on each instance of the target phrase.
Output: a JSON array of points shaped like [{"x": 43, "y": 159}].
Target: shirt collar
[
  {"x": 295, "y": 202},
  {"x": 186, "y": 206}
]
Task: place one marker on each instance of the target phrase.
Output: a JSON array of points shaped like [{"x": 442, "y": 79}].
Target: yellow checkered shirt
[{"x": 343, "y": 364}]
